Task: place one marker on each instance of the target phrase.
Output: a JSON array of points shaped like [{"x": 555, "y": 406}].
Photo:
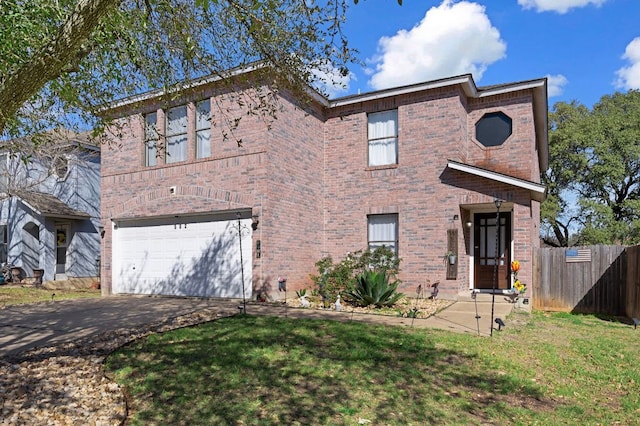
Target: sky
[{"x": 586, "y": 48}]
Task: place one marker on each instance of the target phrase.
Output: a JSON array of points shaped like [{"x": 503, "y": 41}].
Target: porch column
[{"x": 48, "y": 250}]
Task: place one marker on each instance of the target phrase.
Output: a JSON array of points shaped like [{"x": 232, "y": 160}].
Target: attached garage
[{"x": 182, "y": 256}]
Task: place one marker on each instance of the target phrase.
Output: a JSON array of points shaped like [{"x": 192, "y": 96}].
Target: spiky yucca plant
[{"x": 373, "y": 288}]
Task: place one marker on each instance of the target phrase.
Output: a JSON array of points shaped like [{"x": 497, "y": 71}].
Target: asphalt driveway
[{"x": 24, "y": 327}]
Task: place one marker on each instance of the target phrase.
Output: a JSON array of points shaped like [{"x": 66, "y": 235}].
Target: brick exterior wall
[{"x": 308, "y": 180}]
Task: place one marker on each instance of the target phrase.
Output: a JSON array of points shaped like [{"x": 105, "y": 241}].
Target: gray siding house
[{"x": 50, "y": 207}]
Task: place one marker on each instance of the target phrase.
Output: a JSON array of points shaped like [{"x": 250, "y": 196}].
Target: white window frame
[
  {"x": 203, "y": 129},
  {"x": 382, "y": 135},
  {"x": 151, "y": 139},
  {"x": 176, "y": 134},
  {"x": 382, "y": 230}
]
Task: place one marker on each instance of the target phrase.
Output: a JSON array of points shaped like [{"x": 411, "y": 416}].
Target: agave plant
[{"x": 374, "y": 288}]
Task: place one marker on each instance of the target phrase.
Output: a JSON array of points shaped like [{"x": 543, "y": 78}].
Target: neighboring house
[
  {"x": 50, "y": 206},
  {"x": 416, "y": 168}
]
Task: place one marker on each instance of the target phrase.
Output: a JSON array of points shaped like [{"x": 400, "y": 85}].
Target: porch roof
[
  {"x": 49, "y": 206},
  {"x": 538, "y": 191}
]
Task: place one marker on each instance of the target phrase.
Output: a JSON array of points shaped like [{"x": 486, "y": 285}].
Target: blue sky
[{"x": 587, "y": 48}]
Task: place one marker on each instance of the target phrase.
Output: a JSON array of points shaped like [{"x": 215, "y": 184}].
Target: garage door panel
[{"x": 187, "y": 259}]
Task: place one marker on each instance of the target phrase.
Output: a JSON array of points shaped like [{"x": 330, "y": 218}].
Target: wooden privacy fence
[
  {"x": 632, "y": 290},
  {"x": 586, "y": 280}
]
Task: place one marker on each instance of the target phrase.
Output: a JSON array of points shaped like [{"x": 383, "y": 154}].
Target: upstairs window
[
  {"x": 493, "y": 129},
  {"x": 176, "y": 134},
  {"x": 151, "y": 139},
  {"x": 203, "y": 129},
  {"x": 383, "y": 138},
  {"x": 383, "y": 231}
]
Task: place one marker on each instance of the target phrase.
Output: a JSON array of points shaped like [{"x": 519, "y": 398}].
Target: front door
[
  {"x": 62, "y": 241},
  {"x": 486, "y": 241}
]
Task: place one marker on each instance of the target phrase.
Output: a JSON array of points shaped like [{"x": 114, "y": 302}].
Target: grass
[
  {"x": 542, "y": 369},
  {"x": 24, "y": 295}
]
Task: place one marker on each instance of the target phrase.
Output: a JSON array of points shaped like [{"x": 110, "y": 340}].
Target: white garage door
[{"x": 192, "y": 256}]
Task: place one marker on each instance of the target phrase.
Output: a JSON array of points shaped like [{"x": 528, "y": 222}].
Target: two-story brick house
[{"x": 417, "y": 168}]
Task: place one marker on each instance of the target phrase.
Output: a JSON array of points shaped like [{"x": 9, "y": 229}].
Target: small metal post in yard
[
  {"x": 240, "y": 230},
  {"x": 475, "y": 300},
  {"x": 415, "y": 307},
  {"x": 498, "y": 203}
]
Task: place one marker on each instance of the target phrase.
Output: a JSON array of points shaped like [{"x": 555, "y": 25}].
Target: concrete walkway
[
  {"x": 459, "y": 317},
  {"x": 24, "y": 327}
]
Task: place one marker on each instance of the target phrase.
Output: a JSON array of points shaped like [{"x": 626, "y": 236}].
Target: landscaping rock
[{"x": 65, "y": 384}]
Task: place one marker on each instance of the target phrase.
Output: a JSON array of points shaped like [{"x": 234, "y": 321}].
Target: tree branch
[{"x": 52, "y": 60}]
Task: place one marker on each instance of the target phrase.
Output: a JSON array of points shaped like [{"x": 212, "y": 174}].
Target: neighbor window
[
  {"x": 383, "y": 231},
  {"x": 60, "y": 166},
  {"x": 203, "y": 129},
  {"x": 177, "y": 134},
  {"x": 383, "y": 138},
  {"x": 151, "y": 139}
]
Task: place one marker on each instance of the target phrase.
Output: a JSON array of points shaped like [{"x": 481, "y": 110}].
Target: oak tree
[{"x": 595, "y": 159}]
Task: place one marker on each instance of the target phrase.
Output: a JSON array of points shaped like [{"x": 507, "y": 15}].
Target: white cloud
[
  {"x": 559, "y": 6},
  {"x": 555, "y": 84},
  {"x": 629, "y": 77},
  {"x": 331, "y": 81},
  {"x": 451, "y": 39}
]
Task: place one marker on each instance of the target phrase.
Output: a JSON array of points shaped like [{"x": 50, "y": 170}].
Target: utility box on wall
[{"x": 452, "y": 259}]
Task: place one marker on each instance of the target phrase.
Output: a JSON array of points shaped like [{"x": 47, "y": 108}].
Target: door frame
[
  {"x": 507, "y": 250},
  {"x": 61, "y": 268}
]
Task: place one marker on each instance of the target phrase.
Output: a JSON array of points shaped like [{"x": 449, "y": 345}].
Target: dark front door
[{"x": 491, "y": 246}]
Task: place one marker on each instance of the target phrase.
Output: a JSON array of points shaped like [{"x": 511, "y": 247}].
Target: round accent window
[{"x": 493, "y": 129}]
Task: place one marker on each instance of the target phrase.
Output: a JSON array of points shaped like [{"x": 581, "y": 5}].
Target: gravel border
[{"x": 65, "y": 384}]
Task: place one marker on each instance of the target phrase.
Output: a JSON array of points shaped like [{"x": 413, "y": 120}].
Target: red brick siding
[
  {"x": 283, "y": 187},
  {"x": 308, "y": 180}
]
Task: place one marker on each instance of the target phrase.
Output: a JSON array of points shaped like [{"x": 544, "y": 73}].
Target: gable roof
[
  {"x": 468, "y": 85},
  {"x": 538, "y": 191},
  {"x": 465, "y": 81},
  {"x": 49, "y": 206},
  {"x": 63, "y": 139}
]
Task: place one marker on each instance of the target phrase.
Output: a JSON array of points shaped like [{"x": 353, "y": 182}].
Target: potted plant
[{"x": 451, "y": 256}]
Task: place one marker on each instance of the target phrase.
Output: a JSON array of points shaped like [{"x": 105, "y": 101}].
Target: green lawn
[
  {"x": 545, "y": 369},
  {"x": 24, "y": 295}
]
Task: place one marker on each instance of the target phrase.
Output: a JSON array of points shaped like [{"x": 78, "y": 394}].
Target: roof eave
[{"x": 537, "y": 191}]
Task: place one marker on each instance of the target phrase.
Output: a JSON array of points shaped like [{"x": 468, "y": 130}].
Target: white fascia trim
[
  {"x": 187, "y": 85},
  {"x": 200, "y": 82},
  {"x": 533, "y": 84},
  {"x": 33, "y": 209},
  {"x": 536, "y": 188},
  {"x": 464, "y": 80}
]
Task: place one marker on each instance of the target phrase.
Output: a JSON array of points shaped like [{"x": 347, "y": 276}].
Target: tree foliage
[
  {"x": 61, "y": 61},
  {"x": 595, "y": 158}
]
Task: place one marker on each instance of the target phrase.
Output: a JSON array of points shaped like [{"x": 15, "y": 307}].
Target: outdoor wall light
[
  {"x": 468, "y": 224},
  {"x": 498, "y": 203},
  {"x": 455, "y": 217},
  {"x": 254, "y": 222}
]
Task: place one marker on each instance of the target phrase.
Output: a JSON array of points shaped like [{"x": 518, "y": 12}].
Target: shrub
[
  {"x": 333, "y": 279},
  {"x": 373, "y": 288}
]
